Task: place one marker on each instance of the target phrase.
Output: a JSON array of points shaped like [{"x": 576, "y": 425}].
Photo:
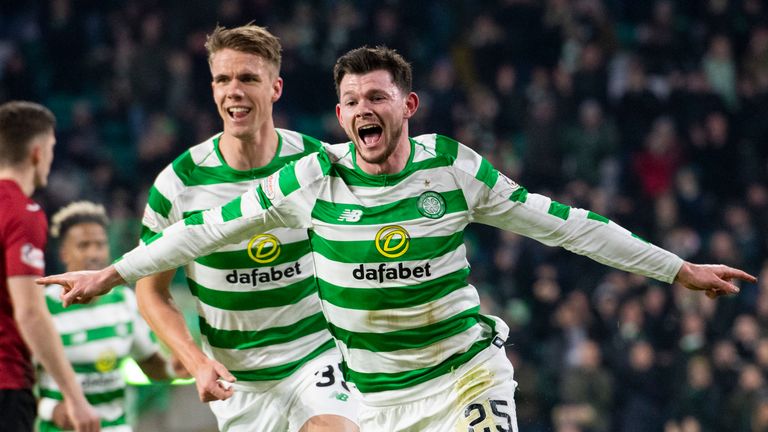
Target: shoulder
[
  {"x": 297, "y": 143},
  {"x": 449, "y": 152},
  {"x": 202, "y": 154},
  {"x": 438, "y": 146},
  {"x": 176, "y": 176},
  {"x": 340, "y": 153},
  {"x": 20, "y": 215}
]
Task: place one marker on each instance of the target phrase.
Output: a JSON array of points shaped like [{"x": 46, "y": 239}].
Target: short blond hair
[
  {"x": 76, "y": 213},
  {"x": 250, "y": 38}
]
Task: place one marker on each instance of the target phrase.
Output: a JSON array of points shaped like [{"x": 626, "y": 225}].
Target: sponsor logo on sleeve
[
  {"x": 270, "y": 186},
  {"x": 32, "y": 256}
]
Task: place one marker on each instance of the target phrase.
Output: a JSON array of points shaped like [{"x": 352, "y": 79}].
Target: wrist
[{"x": 684, "y": 272}]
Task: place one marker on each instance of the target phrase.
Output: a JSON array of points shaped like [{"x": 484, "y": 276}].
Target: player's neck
[
  {"x": 251, "y": 152},
  {"x": 25, "y": 178}
]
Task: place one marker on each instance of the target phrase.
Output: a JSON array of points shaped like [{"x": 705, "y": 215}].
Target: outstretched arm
[{"x": 284, "y": 199}]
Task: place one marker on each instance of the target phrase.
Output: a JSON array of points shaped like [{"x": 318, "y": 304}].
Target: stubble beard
[{"x": 388, "y": 150}]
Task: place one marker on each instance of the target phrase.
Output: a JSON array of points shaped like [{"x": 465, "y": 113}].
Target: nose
[
  {"x": 363, "y": 110},
  {"x": 234, "y": 91}
]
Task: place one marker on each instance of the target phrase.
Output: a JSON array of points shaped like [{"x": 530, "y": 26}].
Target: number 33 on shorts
[
  {"x": 491, "y": 415},
  {"x": 328, "y": 377}
]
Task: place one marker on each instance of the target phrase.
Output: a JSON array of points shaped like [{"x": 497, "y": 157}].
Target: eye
[{"x": 350, "y": 103}]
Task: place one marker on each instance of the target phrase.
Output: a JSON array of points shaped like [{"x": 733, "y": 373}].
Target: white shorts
[
  {"x": 480, "y": 401},
  {"x": 284, "y": 406}
]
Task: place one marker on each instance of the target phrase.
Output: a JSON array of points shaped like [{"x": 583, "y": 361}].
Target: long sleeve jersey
[{"x": 390, "y": 257}]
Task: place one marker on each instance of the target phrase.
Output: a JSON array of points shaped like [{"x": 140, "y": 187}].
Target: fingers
[
  {"x": 732, "y": 273},
  {"x": 224, "y": 373},
  {"x": 52, "y": 279},
  {"x": 71, "y": 297},
  {"x": 216, "y": 390}
]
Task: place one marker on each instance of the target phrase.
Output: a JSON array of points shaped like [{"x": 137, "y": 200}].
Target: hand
[
  {"x": 84, "y": 417},
  {"x": 82, "y": 286},
  {"x": 60, "y": 417},
  {"x": 714, "y": 280},
  {"x": 213, "y": 381}
]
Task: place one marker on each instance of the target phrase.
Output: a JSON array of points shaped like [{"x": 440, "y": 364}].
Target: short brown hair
[
  {"x": 366, "y": 59},
  {"x": 250, "y": 38},
  {"x": 20, "y": 122}
]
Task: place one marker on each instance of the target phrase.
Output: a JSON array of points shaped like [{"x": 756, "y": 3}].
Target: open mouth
[
  {"x": 370, "y": 134},
  {"x": 237, "y": 113}
]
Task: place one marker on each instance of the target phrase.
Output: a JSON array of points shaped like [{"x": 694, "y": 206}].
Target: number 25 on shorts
[{"x": 488, "y": 416}]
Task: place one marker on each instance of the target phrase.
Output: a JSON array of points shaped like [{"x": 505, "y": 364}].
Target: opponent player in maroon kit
[{"x": 26, "y": 153}]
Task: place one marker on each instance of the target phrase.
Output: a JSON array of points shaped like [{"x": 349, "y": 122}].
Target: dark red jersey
[{"x": 23, "y": 229}]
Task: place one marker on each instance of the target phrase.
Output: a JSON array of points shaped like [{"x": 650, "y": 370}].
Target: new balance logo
[
  {"x": 351, "y": 215},
  {"x": 340, "y": 396}
]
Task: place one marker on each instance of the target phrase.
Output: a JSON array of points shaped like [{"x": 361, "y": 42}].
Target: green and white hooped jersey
[
  {"x": 97, "y": 337},
  {"x": 259, "y": 313},
  {"x": 390, "y": 256}
]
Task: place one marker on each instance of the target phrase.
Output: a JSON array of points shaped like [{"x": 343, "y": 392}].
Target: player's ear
[
  {"x": 411, "y": 105},
  {"x": 35, "y": 152},
  {"x": 277, "y": 89},
  {"x": 338, "y": 115}
]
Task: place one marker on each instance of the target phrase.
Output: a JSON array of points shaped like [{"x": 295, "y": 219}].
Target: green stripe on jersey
[
  {"x": 411, "y": 338},
  {"x": 158, "y": 202},
  {"x": 229, "y": 260},
  {"x": 195, "y": 219},
  {"x": 252, "y": 300},
  {"x": 402, "y": 210},
  {"x": 232, "y": 210},
  {"x": 487, "y": 174},
  {"x": 192, "y": 174},
  {"x": 93, "y": 398},
  {"x": 559, "y": 210},
  {"x": 263, "y": 199},
  {"x": 282, "y": 371},
  {"x": 288, "y": 181},
  {"x": 447, "y": 146},
  {"x": 377, "y": 382},
  {"x": 519, "y": 195},
  {"x": 597, "y": 217},
  {"x": 357, "y": 177},
  {"x": 95, "y": 334},
  {"x": 146, "y": 234},
  {"x": 395, "y": 297},
  {"x": 240, "y": 339},
  {"x": 86, "y": 368},
  {"x": 364, "y": 251},
  {"x": 46, "y": 426}
]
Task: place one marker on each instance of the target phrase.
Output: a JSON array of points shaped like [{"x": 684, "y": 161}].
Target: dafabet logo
[
  {"x": 264, "y": 248},
  {"x": 392, "y": 241}
]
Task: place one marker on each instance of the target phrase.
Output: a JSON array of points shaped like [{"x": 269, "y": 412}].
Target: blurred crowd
[{"x": 651, "y": 113}]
